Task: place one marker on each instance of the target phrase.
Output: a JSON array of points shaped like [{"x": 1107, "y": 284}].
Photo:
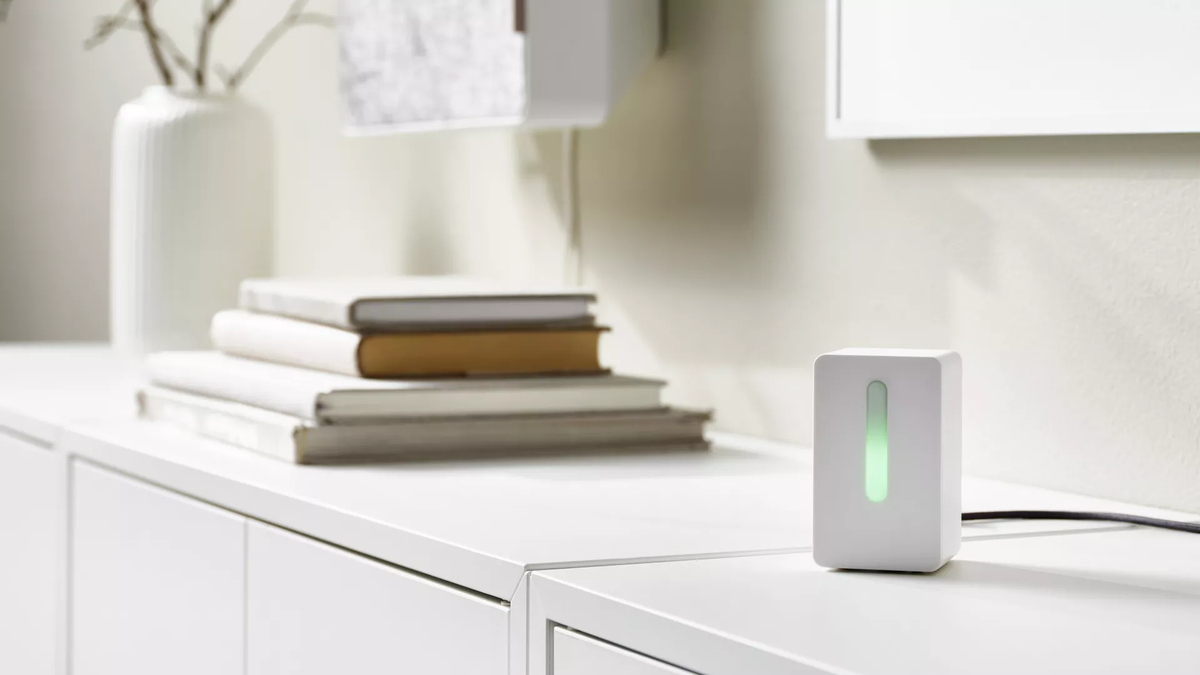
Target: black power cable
[{"x": 1176, "y": 525}]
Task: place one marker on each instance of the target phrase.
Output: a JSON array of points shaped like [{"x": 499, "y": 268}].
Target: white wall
[{"x": 731, "y": 242}]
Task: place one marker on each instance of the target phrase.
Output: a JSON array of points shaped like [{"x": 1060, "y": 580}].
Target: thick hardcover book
[
  {"x": 519, "y": 351},
  {"x": 404, "y": 303},
  {"x": 330, "y": 398},
  {"x": 296, "y": 440}
]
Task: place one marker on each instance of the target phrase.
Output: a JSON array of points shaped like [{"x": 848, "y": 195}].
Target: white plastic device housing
[
  {"x": 580, "y": 56},
  {"x": 917, "y": 526}
]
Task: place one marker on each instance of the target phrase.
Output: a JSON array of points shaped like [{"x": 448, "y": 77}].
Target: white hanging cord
[{"x": 572, "y": 213}]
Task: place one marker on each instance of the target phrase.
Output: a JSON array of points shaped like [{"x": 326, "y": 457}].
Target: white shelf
[
  {"x": 1097, "y": 603},
  {"x": 478, "y": 524},
  {"x": 43, "y": 385},
  {"x": 475, "y": 532}
]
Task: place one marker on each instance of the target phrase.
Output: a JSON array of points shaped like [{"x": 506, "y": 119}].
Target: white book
[
  {"x": 408, "y": 302},
  {"x": 331, "y": 398},
  {"x": 297, "y": 440}
]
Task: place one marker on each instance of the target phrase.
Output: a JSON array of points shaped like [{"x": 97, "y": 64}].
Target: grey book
[
  {"x": 330, "y": 398},
  {"x": 302, "y": 441},
  {"x": 407, "y": 303}
]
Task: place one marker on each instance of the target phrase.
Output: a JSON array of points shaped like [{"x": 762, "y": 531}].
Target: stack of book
[{"x": 376, "y": 370}]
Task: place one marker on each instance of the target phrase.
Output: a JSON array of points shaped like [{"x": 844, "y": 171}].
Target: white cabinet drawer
[
  {"x": 31, "y": 519},
  {"x": 158, "y": 580},
  {"x": 315, "y": 609},
  {"x": 578, "y": 654}
]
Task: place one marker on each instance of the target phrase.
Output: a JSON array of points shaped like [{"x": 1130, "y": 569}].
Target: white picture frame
[{"x": 954, "y": 68}]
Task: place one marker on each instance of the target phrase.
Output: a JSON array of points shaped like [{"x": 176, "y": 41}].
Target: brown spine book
[{"x": 500, "y": 351}]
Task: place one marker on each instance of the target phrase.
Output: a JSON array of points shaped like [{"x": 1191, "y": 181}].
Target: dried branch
[
  {"x": 162, "y": 47},
  {"x": 224, "y": 75},
  {"x": 295, "y": 16},
  {"x": 212, "y": 16},
  {"x": 152, "y": 37},
  {"x": 178, "y": 56},
  {"x": 107, "y": 25}
]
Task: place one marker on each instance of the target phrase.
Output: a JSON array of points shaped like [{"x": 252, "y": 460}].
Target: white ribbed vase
[{"x": 192, "y": 205}]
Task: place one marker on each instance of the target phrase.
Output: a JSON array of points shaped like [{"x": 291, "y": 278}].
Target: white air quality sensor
[{"x": 887, "y": 465}]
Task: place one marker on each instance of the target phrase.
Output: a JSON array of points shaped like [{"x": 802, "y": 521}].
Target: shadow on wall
[
  {"x": 670, "y": 184},
  {"x": 736, "y": 243},
  {"x": 1110, "y": 223},
  {"x": 1085, "y": 327},
  {"x": 424, "y": 248},
  {"x": 1131, "y": 155}
]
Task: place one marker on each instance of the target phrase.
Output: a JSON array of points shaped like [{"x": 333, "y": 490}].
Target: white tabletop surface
[
  {"x": 43, "y": 385},
  {"x": 478, "y": 524},
  {"x": 1095, "y": 602}
]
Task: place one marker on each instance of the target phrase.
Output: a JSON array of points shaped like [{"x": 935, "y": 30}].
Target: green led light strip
[{"x": 876, "y": 465}]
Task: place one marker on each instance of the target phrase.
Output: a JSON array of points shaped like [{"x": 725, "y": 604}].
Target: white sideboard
[
  {"x": 32, "y": 555},
  {"x": 135, "y": 548},
  {"x": 155, "y": 578},
  {"x": 1101, "y": 602}
]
